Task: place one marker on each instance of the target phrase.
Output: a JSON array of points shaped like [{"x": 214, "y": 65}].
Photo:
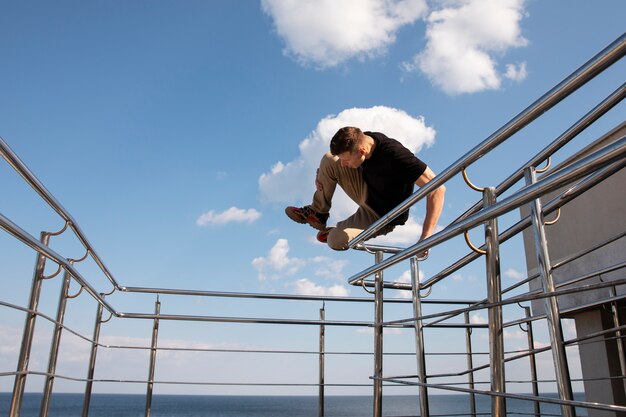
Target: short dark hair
[{"x": 345, "y": 140}]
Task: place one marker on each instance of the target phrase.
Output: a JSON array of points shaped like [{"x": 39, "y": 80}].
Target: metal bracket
[
  {"x": 544, "y": 169},
  {"x": 558, "y": 216},
  {"x": 471, "y": 245},
  {"x": 470, "y": 184}
]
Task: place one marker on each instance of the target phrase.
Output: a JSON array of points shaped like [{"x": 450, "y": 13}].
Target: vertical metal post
[
  {"x": 494, "y": 295},
  {"x": 470, "y": 363},
  {"x": 551, "y": 306},
  {"x": 378, "y": 339},
  {"x": 618, "y": 335},
  {"x": 29, "y": 330},
  {"x": 321, "y": 366},
  {"x": 533, "y": 361},
  {"x": 420, "y": 353},
  {"x": 92, "y": 360},
  {"x": 153, "y": 352},
  {"x": 54, "y": 346}
]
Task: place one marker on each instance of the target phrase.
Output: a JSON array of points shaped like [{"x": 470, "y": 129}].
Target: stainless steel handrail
[
  {"x": 590, "y": 170},
  {"x": 29, "y": 240},
  {"x": 604, "y": 59},
  {"x": 577, "y": 170},
  {"x": 21, "y": 168}
]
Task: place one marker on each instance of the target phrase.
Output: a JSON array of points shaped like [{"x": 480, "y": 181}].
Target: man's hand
[{"x": 423, "y": 255}]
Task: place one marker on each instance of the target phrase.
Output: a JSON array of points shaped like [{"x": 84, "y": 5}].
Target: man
[{"x": 377, "y": 173}]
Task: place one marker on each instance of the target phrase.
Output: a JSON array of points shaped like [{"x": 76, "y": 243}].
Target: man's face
[{"x": 352, "y": 159}]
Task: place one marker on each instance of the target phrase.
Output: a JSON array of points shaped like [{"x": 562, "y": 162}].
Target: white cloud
[
  {"x": 328, "y": 32},
  {"x": 405, "y": 278},
  {"x": 306, "y": 287},
  {"x": 513, "y": 274},
  {"x": 463, "y": 41},
  {"x": 516, "y": 72},
  {"x": 326, "y": 267},
  {"x": 293, "y": 182},
  {"x": 277, "y": 262},
  {"x": 477, "y": 318},
  {"x": 231, "y": 215}
]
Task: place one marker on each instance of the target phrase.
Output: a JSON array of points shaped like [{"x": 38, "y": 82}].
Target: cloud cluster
[
  {"x": 464, "y": 38},
  {"x": 278, "y": 265},
  {"x": 293, "y": 182},
  {"x": 232, "y": 215},
  {"x": 325, "y": 33},
  {"x": 306, "y": 287}
]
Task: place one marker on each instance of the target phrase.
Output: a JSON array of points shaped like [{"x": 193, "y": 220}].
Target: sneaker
[
  {"x": 322, "y": 235},
  {"x": 307, "y": 215}
]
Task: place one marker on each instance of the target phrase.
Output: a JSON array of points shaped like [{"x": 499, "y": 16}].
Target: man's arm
[{"x": 434, "y": 203}]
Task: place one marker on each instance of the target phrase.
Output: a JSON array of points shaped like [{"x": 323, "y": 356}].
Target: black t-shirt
[{"x": 390, "y": 173}]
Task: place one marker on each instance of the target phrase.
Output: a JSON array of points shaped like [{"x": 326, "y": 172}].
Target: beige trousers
[{"x": 331, "y": 174}]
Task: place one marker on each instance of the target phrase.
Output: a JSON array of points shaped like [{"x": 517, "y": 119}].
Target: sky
[{"x": 176, "y": 133}]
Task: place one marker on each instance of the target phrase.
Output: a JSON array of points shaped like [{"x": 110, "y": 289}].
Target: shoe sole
[{"x": 299, "y": 218}]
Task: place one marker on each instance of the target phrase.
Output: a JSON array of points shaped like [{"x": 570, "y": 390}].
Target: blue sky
[{"x": 176, "y": 132}]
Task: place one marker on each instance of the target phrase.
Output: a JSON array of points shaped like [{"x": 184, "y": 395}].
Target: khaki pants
[{"x": 331, "y": 174}]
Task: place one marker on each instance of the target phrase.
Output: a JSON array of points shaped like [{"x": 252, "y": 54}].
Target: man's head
[{"x": 347, "y": 145}]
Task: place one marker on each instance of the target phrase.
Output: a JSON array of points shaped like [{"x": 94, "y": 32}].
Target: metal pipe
[
  {"x": 494, "y": 295},
  {"x": 54, "y": 346},
  {"x": 378, "y": 340},
  {"x": 470, "y": 364},
  {"x": 605, "y": 58},
  {"x": 92, "y": 361},
  {"x": 619, "y": 337},
  {"x": 533, "y": 360},
  {"x": 29, "y": 330},
  {"x": 572, "y": 403},
  {"x": 606, "y": 156},
  {"x": 551, "y": 305},
  {"x": 534, "y": 295},
  {"x": 153, "y": 352},
  {"x": 321, "y": 362},
  {"x": 420, "y": 353},
  {"x": 226, "y": 294}
]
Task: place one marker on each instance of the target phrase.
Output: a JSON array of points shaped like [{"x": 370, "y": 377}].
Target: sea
[{"x": 130, "y": 405}]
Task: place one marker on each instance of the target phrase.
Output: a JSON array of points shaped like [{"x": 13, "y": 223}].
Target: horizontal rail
[
  {"x": 199, "y": 383},
  {"x": 292, "y": 297},
  {"x": 534, "y": 295},
  {"x": 246, "y": 320},
  {"x": 226, "y": 294},
  {"x": 582, "y": 404}
]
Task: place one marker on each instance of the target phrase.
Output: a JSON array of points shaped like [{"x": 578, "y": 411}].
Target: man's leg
[
  {"x": 329, "y": 174},
  {"x": 348, "y": 229},
  {"x": 332, "y": 173}
]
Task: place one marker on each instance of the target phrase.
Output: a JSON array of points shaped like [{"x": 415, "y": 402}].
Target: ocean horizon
[{"x": 165, "y": 405}]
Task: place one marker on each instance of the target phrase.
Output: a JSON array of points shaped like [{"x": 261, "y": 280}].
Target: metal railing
[{"x": 464, "y": 372}]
